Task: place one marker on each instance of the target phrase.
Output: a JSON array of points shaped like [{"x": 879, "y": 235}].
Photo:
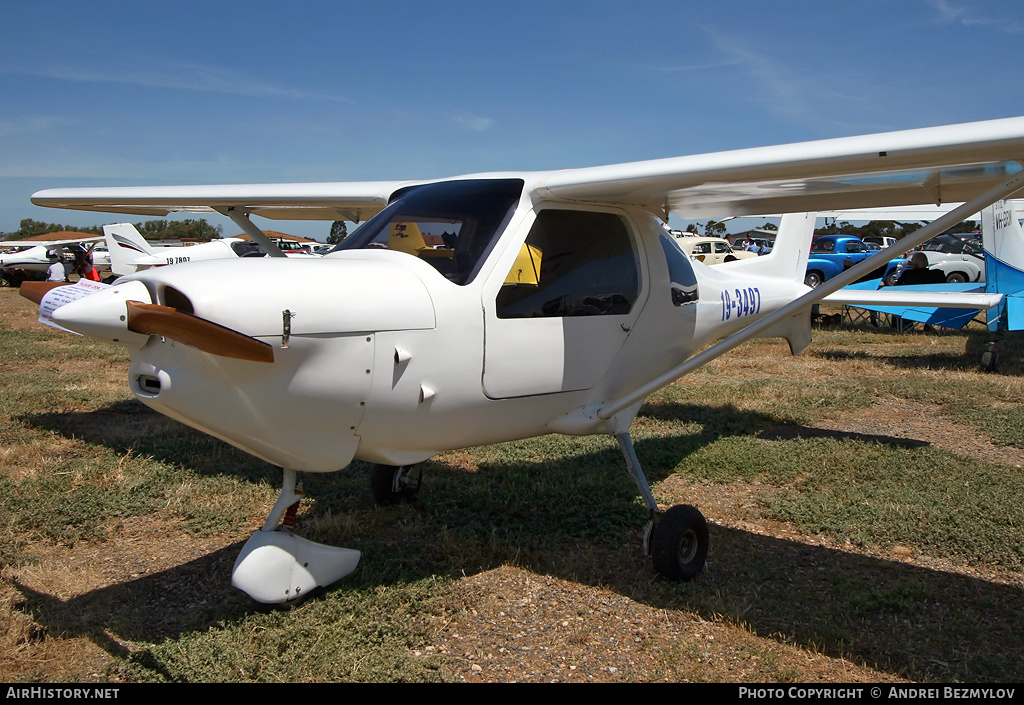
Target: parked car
[
  {"x": 833, "y": 254},
  {"x": 711, "y": 250},
  {"x": 960, "y": 258},
  {"x": 883, "y": 241}
]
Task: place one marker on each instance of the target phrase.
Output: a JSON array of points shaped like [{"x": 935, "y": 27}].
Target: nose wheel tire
[
  {"x": 394, "y": 484},
  {"x": 679, "y": 543}
]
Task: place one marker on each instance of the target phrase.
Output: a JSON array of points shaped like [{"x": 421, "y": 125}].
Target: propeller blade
[
  {"x": 153, "y": 319},
  {"x": 35, "y": 291}
]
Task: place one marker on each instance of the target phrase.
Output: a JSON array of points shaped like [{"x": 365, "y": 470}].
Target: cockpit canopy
[{"x": 451, "y": 225}]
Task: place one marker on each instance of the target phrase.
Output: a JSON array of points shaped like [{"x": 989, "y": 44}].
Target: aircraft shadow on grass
[
  {"x": 1006, "y": 344},
  {"x": 129, "y": 426},
  {"x": 919, "y": 622}
]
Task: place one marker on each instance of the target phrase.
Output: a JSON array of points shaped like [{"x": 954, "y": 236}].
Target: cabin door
[{"x": 565, "y": 307}]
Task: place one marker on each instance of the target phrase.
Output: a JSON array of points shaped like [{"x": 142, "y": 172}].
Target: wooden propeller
[
  {"x": 153, "y": 319},
  {"x": 35, "y": 291}
]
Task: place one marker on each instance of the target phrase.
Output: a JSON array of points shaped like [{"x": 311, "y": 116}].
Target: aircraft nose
[
  {"x": 125, "y": 314},
  {"x": 104, "y": 314}
]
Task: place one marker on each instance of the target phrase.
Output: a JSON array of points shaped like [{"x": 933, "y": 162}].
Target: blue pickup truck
[{"x": 831, "y": 254}]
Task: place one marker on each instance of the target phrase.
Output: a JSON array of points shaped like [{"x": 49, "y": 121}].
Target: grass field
[{"x": 866, "y": 501}]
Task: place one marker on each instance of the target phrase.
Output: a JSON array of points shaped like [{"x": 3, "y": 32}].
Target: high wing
[
  {"x": 353, "y": 201},
  {"x": 924, "y": 212},
  {"x": 930, "y": 165},
  {"x": 26, "y": 244}
]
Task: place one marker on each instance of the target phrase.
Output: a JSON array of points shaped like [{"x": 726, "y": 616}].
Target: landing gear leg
[
  {"x": 275, "y": 566},
  {"x": 677, "y": 539}
]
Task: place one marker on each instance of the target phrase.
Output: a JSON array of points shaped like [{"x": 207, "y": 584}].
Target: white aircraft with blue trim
[
  {"x": 1003, "y": 242},
  {"x": 491, "y": 307}
]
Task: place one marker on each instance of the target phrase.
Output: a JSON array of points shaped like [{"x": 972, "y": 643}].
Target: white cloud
[
  {"x": 475, "y": 123},
  {"x": 970, "y": 16},
  {"x": 28, "y": 125},
  {"x": 778, "y": 87},
  {"x": 158, "y": 73}
]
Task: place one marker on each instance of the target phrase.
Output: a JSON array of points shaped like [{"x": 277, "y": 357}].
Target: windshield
[
  {"x": 952, "y": 244},
  {"x": 450, "y": 225}
]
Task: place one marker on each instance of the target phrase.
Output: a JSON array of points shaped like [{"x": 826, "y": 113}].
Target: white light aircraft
[
  {"x": 38, "y": 256},
  {"x": 492, "y": 307},
  {"x": 130, "y": 253}
]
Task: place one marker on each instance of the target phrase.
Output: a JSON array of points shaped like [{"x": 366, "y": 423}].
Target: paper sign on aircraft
[{"x": 62, "y": 295}]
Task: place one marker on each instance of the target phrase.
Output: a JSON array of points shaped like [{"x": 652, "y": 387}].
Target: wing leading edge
[
  {"x": 354, "y": 201},
  {"x": 930, "y": 165}
]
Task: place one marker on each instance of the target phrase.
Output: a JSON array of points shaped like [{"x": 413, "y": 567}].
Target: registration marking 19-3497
[{"x": 740, "y": 302}]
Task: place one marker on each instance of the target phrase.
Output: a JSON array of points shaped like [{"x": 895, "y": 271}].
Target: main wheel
[
  {"x": 956, "y": 278},
  {"x": 813, "y": 278},
  {"x": 679, "y": 543},
  {"x": 990, "y": 358},
  {"x": 391, "y": 484}
]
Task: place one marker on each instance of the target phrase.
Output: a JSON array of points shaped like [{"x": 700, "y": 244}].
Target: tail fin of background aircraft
[
  {"x": 1003, "y": 240},
  {"x": 128, "y": 249}
]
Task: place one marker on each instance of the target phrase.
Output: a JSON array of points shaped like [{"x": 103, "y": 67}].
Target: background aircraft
[
  {"x": 555, "y": 303},
  {"x": 1003, "y": 241},
  {"x": 130, "y": 253},
  {"x": 34, "y": 258}
]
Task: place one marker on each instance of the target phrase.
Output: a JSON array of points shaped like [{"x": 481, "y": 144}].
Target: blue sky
[{"x": 105, "y": 93}]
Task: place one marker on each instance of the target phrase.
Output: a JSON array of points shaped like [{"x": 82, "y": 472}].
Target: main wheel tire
[
  {"x": 956, "y": 278},
  {"x": 679, "y": 543},
  {"x": 391, "y": 484},
  {"x": 990, "y": 359}
]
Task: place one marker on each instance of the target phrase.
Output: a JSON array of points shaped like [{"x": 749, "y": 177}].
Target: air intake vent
[{"x": 177, "y": 300}]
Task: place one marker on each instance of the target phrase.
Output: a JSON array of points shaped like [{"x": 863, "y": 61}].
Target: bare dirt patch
[{"x": 509, "y": 624}]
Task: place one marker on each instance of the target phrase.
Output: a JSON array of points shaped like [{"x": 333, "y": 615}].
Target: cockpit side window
[
  {"x": 682, "y": 280},
  {"x": 573, "y": 263},
  {"x": 451, "y": 225}
]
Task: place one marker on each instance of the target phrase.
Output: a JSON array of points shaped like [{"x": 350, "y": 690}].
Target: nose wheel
[{"x": 394, "y": 484}]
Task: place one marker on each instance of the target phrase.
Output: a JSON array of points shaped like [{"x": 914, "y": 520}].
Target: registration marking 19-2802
[{"x": 740, "y": 302}]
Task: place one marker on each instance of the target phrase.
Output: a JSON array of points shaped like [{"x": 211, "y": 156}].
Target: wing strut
[
  {"x": 241, "y": 219},
  {"x": 919, "y": 237}
]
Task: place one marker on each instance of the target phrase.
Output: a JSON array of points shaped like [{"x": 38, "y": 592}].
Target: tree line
[
  {"x": 188, "y": 229},
  {"x": 887, "y": 228}
]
